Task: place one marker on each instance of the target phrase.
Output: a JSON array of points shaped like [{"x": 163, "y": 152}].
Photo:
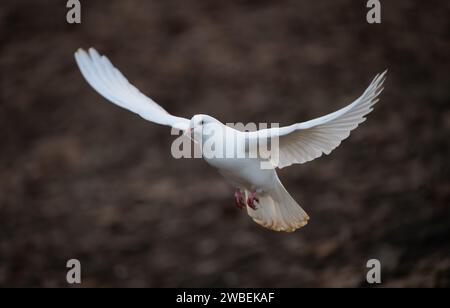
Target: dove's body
[
  {"x": 275, "y": 208},
  {"x": 245, "y": 173},
  {"x": 298, "y": 143},
  {"x": 232, "y": 159}
]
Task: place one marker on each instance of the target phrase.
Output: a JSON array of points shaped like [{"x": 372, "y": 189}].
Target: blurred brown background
[{"x": 81, "y": 178}]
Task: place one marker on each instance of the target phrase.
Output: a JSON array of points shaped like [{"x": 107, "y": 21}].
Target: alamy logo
[
  {"x": 374, "y": 273},
  {"x": 74, "y": 273},
  {"x": 74, "y": 14},
  {"x": 230, "y": 141},
  {"x": 374, "y": 14}
]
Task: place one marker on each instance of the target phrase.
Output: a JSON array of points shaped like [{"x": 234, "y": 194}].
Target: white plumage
[
  {"x": 109, "y": 82},
  {"x": 269, "y": 204}
]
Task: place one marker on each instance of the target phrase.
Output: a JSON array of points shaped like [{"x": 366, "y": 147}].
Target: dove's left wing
[
  {"x": 111, "y": 84},
  {"x": 303, "y": 142}
]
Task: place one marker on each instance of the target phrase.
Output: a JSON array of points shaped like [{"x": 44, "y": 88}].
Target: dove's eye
[{"x": 202, "y": 122}]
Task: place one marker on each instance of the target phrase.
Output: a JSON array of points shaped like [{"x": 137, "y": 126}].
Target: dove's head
[{"x": 198, "y": 124}]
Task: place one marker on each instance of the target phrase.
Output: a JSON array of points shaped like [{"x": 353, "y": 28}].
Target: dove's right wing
[{"x": 109, "y": 82}]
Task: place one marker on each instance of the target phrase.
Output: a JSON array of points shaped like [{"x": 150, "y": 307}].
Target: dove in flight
[{"x": 258, "y": 189}]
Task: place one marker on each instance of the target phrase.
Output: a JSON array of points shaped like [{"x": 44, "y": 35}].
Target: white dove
[{"x": 268, "y": 202}]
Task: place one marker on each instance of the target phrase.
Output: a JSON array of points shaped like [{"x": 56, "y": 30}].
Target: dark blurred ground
[{"x": 81, "y": 178}]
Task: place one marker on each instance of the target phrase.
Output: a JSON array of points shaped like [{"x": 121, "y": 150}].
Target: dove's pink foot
[
  {"x": 251, "y": 200},
  {"x": 239, "y": 199}
]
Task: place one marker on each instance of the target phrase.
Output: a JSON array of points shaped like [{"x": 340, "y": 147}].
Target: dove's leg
[
  {"x": 251, "y": 199},
  {"x": 239, "y": 198}
]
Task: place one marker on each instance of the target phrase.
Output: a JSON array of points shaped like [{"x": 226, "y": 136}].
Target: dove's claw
[
  {"x": 251, "y": 203},
  {"x": 251, "y": 200},
  {"x": 239, "y": 199}
]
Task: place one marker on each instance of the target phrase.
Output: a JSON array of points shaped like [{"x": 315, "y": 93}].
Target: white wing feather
[
  {"x": 111, "y": 84},
  {"x": 303, "y": 142}
]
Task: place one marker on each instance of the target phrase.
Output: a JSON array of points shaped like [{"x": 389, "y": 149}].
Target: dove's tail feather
[{"x": 277, "y": 210}]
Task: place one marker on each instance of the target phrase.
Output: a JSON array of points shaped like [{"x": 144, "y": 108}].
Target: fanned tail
[{"x": 278, "y": 211}]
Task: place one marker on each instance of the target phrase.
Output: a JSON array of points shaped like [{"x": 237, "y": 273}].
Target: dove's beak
[{"x": 189, "y": 134}]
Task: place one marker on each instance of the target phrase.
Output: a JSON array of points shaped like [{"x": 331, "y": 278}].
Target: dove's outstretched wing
[
  {"x": 303, "y": 142},
  {"x": 109, "y": 82}
]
